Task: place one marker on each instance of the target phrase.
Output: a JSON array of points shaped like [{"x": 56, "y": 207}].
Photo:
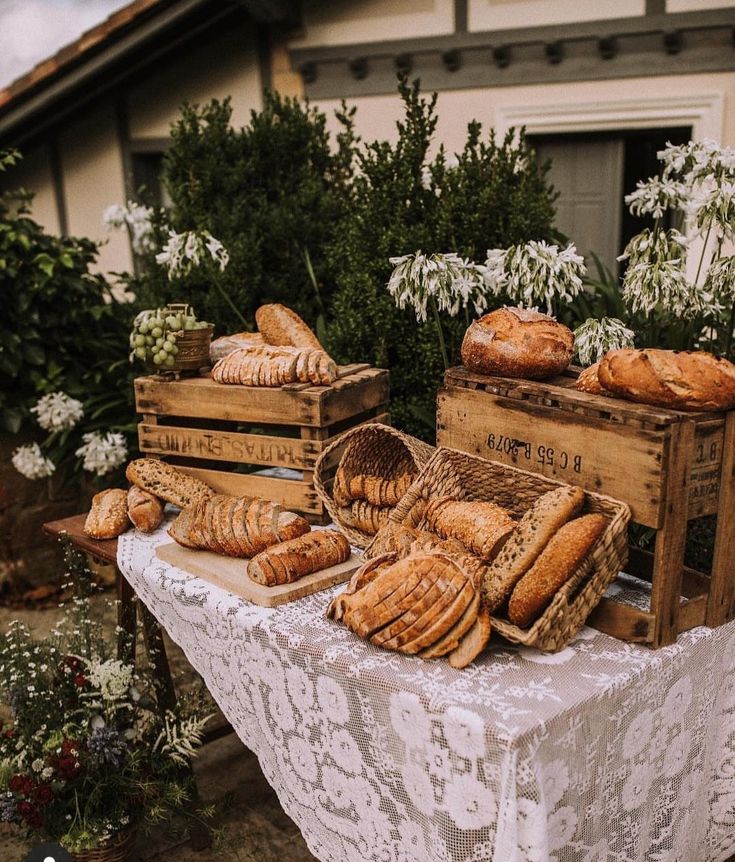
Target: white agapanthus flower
[
  {"x": 58, "y": 411},
  {"x": 451, "y": 282},
  {"x": 721, "y": 281},
  {"x": 113, "y": 678},
  {"x": 594, "y": 338},
  {"x": 654, "y": 196},
  {"x": 185, "y": 251},
  {"x": 535, "y": 273},
  {"x": 30, "y": 462},
  {"x": 135, "y": 218},
  {"x": 711, "y": 202},
  {"x": 102, "y": 452}
]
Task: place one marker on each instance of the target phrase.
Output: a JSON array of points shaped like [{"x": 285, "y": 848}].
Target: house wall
[
  {"x": 33, "y": 172},
  {"x": 507, "y": 14}
]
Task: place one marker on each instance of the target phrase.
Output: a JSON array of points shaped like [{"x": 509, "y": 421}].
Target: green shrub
[{"x": 401, "y": 201}]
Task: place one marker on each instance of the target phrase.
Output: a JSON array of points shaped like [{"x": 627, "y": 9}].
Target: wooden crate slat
[
  {"x": 292, "y": 493},
  {"x": 369, "y": 390},
  {"x": 524, "y": 435},
  {"x": 622, "y": 621},
  {"x": 692, "y": 613},
  {"x": 721, "y": 607},
  {"x": 233, "y": 447}
]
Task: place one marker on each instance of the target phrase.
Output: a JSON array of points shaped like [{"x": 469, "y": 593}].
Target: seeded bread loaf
[
  {"x": 481, "y": 527},
  {"x": 589, "y": 381},
  {"x": 559, "y": 560},
  {"x": 282, "y": 326},
  {"x": 531, "y": 535},
  {"x": 108, "y": 516},
  {"x": 145, "y": 510},
  {"x": 289, "y": 561},
  {"x": 165, "y": 481},
  {"x": 517, "y": 342},
  {"x": 677, "y": 379}
]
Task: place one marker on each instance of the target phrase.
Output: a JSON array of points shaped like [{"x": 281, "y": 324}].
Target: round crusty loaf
[
  {"x": 108, "y": 516},
  {"x": 282, "y": 326},
  {"x": 679, "y": 380},
  {"x": 145, "y": 510},
  {"x": 517, "y": 342}
]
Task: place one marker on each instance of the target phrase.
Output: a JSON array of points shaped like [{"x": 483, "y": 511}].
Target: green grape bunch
[{"x": 156, "y": 331}]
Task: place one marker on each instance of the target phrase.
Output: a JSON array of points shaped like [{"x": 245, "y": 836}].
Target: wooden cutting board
[{"x": 230, "y": 574}]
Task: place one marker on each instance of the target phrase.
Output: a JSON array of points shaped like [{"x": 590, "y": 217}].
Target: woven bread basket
[
  {"x": 117, "y": 849},
  {"x": 465, "y": 477},
  {"x": 373, "y": 449}
]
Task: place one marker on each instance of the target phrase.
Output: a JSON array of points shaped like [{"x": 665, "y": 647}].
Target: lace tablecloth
[{"x": 604, "y": 752}]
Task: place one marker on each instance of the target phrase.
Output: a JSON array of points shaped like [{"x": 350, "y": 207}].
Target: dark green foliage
[
  {"x": 269, "y": 192},
  {"x": 60, "y": 329},
  {"x": 496, "y": 195}
]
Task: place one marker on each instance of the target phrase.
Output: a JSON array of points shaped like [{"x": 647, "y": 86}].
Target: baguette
[
  {"x": 165, "y": 481},
  {"x": 528, "y": 539},
  {"x": 379, "y": 491},
  {"x": 271, "y": 366},
  {"x": 145, "y": 510},
  {"x": 482, "y": 528},
  {"x": 280, "y": 325},
  {"x": 289, "y": 561},
  {"x": 108, "y": 516},
  {"x": 559, "y": 560},
  {"x": 236, "y": 527}
]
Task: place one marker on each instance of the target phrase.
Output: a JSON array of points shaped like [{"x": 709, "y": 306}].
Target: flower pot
[{"x": 117, "y": 849}]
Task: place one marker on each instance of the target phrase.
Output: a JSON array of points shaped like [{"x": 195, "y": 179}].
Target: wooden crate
[
  {"x": 668, "y": 466},
  {"x": 211, "y": 430}
]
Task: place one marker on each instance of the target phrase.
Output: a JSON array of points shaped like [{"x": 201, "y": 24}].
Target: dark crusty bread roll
[
  {"x": 145, "y": 510},
  {"x": 165, "y": 481},
  {"x": 589, "y": 381},
  {"x": 517, "y": 342},
  {"x": 679, "y": 380},
  {"x": 544, "y": 518},
  {"x": 108, "y": 516},
  {"x": 289, "y": 561},
  {"x": 280, "y": 325},
  {"x": 559, "y": 560},
  {"x": 481, "y": 527}
]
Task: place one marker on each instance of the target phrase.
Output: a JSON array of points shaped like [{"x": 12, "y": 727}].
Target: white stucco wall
[
  {"x": 33, "y": 173},
  {"x": 507, "y": 14}
]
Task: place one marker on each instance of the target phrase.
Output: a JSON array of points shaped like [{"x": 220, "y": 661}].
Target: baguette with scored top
[
  {"x": 165, "y": 481},
  {"x": 288, "y": 561}
]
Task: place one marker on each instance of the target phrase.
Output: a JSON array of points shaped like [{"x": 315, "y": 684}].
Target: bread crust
[
  {"x": 473, "y": 642},
  {"x": 517, "y": 342},
  {"x": 281, "y": 325},
  {"x": 165, "y": 481},
  {"x": 108, "y": 515},
  {"x": 531, "y": 535},
  {"x": 481, "y": 527},
  {"x": 589, "y": 381},
  {"x": 559, "y": 560},
  {"x": 145, "y": 510},
  {"x": 677, "y": 379},
  {"x": 288, "y": 561},
  {"x": 379, "y": 491},
  {"x": 225, "y": 344}
]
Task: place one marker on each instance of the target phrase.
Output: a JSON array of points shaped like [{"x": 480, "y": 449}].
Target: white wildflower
[
  {"x": 535, "y": 273},
  {"x": 30, "y": 462},
  {"x": 102, "y": 452},
  {"x": 655, "y": 196},
  {"x": 37, "y": 765},
  {"x": 446, "y": 279},
  {"x": 58, "y": 411},
  {"x": 721, "y": 281},
  {"x": 179, "y": 739},
  {"x": 134, "y": 217},
  {"x": 185, "y": 251},
  {"x": 594, "y": 338},
  {"x": 112, "y": 677},
  {"x": 46, "y": 773},
  {"x": 712, "y": 203}
]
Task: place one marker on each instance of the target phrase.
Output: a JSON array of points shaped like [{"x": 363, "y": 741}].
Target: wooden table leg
[
  {"x": 162, "y": 681},
  {"x": 126, "y": 618}
]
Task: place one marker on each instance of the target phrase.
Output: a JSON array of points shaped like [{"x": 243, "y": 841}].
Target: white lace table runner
[{"x": 604, "y": 752}]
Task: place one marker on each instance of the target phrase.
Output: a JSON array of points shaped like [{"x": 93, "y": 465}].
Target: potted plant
[{"x": 87, "y": 755}]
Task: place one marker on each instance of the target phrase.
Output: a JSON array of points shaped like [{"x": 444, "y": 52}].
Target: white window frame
[{"x": 704, "y": 112}]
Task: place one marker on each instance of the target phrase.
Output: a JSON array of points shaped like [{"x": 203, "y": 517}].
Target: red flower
[
  {"x": 22, "y": 784},
  {"x": 69, "y": 746},
  {"x": 80, "y": 680},
  {"x": 9, "y": 734},
  {"x": 30, "y": 814},
  {"x": 43, "y": 795}
]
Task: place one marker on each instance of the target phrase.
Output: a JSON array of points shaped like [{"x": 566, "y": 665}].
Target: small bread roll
[
  {"x": 517, "y": 342},
  {"x": 108, "y": 517},
  {"x": 145, "y": 510}
]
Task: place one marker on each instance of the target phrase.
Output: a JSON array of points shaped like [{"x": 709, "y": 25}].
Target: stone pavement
[{"x": 252, "y": 824}]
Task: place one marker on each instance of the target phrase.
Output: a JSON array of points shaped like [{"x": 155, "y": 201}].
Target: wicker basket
[
  {"x": 117, "y": 849},
  {"x": 465, "y": 477},
  {"x": 371, "y": 448}
]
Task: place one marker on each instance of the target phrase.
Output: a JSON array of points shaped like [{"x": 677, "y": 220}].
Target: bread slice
[
  {"x": 180, "y": 527},
  {"x": 450, "y": 640},
  {"x": 165, "y": 481},
  {"x": 559, "y": 560},
  {"x": 369, "y": 618},
  {"x": 365, "y": 575},
  {"x": 473, "y": 643},
  {"x": 425, "y": 635},
  {"x": 527, "y": 540}
]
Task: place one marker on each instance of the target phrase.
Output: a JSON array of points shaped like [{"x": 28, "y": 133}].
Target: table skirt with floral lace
[{"x": 604, "y": 752}]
